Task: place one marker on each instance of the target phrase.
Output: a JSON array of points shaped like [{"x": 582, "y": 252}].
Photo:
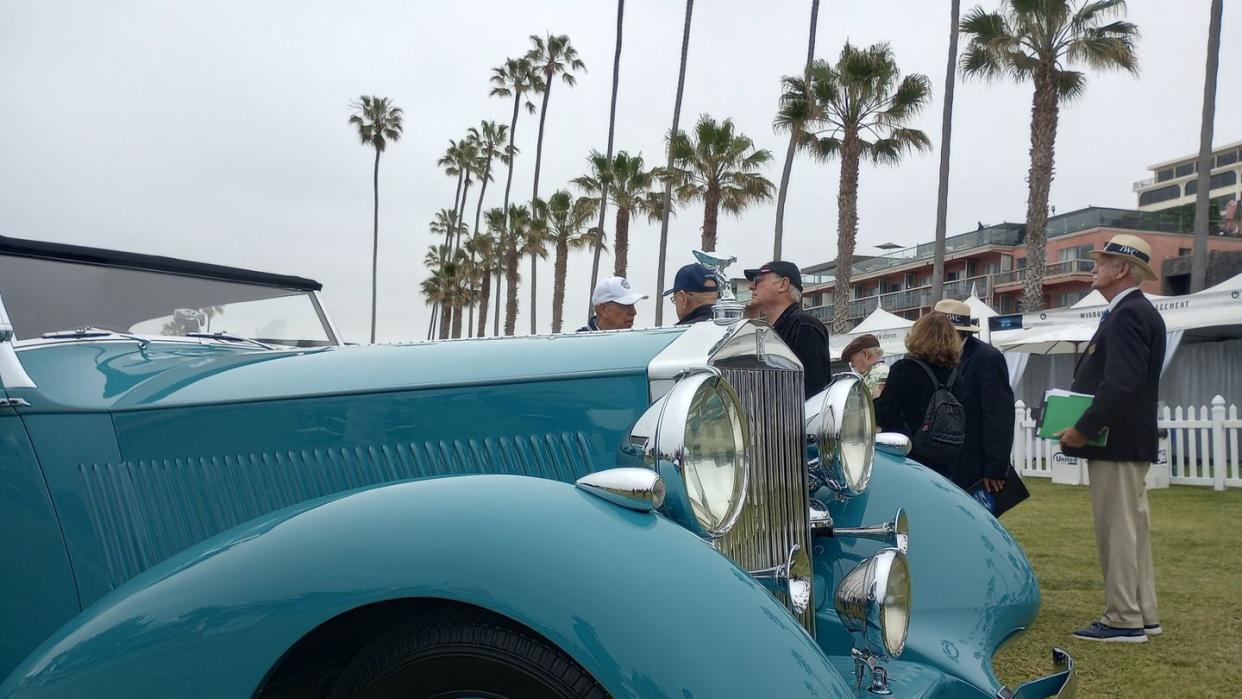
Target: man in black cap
[
  {"x": 694, "y": 291},
  {"x": 776, "y": 293}
]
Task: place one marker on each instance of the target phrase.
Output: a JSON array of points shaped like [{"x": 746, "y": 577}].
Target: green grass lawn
[{"x": 1198, "y": 581}]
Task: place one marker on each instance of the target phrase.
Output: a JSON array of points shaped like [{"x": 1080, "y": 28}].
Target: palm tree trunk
[
  {"x": 612, "y": 123},
  {"x": 793, "y": 146},
  {"x": 1044, "y": 113},
  {"x": 485, "y": 294},
  {"x": 534, "y": 259},
  {"x": 456, "y": 329},
  {"x": 558, "y": 283},
  {"x": 460, "y": 214},
  {"x": 946, "y": 137},
  {"x": 478, "y": 213},
  {"x": 496, "y": 314},
  {"x": 511, "y": 304},
  {"x": 431, "y": 324},
  {"x": 668, "y": 186},
  {"x": 1199, "y": 259},
  {"x": 445, "y": 320},
  {"x": 847, "y": 230},
  {"x": 621, "y": 243},
  {"x": 711, "y": 217},
  {"x": 375, "y": 244},
  {"x": 511, "y": 280}
]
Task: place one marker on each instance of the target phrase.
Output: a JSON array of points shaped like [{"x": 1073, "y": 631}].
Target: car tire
[{"x": 451, "y": 651}]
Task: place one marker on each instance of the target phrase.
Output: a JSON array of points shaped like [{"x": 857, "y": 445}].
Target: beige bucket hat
[{"x": 959, "y": 315}]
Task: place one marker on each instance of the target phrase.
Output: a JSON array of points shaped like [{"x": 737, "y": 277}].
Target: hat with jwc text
[
  {"x": 780, "y": 268},
  {"x": 616, "y": 290},
  {"x": 1130, "y": 248},
  {"x": 694, "y": 278},
  {"x": 958, "y": 313}
]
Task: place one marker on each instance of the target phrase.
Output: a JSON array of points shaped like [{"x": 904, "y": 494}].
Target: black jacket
[
  {"x": 1121, "y": 368},
  {"x": 591, "y": 326},
  {"x": 808, "y": 338},
  {"x": 984, "y": 392},
  {"x": 698, "y": 315},
  {"x": 903, "y": 404}
]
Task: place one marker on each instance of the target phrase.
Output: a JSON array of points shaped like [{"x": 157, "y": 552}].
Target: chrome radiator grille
[{"x": 776, "y": 516}]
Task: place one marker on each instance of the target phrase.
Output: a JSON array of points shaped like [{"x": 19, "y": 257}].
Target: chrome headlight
[
  {"x": 873, "y": 602},
  {"x": 697, "y": 439},
  {"x": 840, "y": 420}
]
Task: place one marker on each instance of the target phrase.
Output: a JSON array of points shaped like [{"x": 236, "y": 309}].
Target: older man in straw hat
[
  {"x": 1121, "y": 369},
  {"x": 984, "y": 392}
]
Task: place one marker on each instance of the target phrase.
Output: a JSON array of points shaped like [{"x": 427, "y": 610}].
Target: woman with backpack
[{"x": 918, "y": 400}]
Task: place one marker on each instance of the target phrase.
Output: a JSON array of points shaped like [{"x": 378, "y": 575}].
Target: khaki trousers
[{"x": 1123, "y": 539}]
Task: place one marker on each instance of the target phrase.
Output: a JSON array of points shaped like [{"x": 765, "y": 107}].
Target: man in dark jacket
[
  {"x": 694, "y": 291},
  {"x": 776, "y": 293},
  {"x": 983, "y": 389},
  {"x": 1121, "y": 369}
]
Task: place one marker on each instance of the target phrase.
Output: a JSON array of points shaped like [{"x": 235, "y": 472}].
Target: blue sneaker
[
  {"x": 1103, "y": 632},
  {"x": 1152, "y": 629}
]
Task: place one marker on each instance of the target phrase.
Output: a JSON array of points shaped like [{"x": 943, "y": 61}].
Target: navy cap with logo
[
  {"x": 780, "y": 268},
  {"x": 694, "y": 278}
]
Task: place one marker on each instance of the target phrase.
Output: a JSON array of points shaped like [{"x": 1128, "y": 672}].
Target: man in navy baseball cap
[{"x": 695, "y": 289}]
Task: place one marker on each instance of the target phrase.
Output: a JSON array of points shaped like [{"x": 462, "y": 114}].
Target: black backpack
[{"x": 939, "y": 439}]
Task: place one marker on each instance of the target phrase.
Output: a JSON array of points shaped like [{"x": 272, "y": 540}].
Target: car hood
[{"x": 117, "y": 375}]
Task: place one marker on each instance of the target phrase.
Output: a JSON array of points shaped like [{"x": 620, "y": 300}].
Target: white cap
[{"x": 617, "y": 290}]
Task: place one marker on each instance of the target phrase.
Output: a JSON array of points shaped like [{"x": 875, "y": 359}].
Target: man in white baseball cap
[{"x": 613, "y": 301}]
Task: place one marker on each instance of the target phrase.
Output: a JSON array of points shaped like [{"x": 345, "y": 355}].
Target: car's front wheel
[{"x": 453, "y": 651}]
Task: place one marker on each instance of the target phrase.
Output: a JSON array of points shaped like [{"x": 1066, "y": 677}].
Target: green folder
[{"x": 1062, "y": 409}]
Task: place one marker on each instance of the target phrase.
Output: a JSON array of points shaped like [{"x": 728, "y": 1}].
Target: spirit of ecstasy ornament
[{"x": 726, "y": 309}]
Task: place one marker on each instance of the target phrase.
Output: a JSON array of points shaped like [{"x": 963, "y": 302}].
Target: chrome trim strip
[
  {"x": 894, "y": 443},
  {"x": 12, "y": 373},
  {"x": 323, "y": 313}
]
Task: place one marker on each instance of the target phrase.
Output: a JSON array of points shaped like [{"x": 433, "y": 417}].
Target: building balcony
[
  {"x": 912, "y": 299},
  {"x": 1058, "y": 273}
]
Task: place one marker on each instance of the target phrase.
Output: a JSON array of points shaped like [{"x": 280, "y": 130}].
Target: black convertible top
[{"x": 133, "y": 260}]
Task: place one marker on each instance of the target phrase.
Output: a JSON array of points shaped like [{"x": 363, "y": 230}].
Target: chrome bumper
[{"x": 1061, "y": 684}]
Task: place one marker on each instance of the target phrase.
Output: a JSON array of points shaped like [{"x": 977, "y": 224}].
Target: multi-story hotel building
[
  {"x": 1174, "y": 182},
  {"x": 992, "y": 261}
]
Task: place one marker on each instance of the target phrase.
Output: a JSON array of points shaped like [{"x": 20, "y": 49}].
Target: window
[
  {"x": 1021, "y": 263},
  {"x": 911, "y": 280},
  {"x": 1227, "y": 158},
  {"x": 1155, "y": 196},
  {"x": 991, "y": 268},
  {"x": 1006, "y": 263},
  {"x": 1069, "y": 298},
  {"x": 972, "y": 268},
  {"x": 952, "y": 276},
  {"x": 1186, "y": 169},
  {"x": 1164, "y": 175},
  {"x": 1183, "y": 252},
  {"x": 1227, "y": 178},
  {"x": 1075, "y": 253}
]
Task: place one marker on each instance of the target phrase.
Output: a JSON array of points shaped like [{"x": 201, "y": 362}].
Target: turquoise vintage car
[{"x": 205, "y": 493}]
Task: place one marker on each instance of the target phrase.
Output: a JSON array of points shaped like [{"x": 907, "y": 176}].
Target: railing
[
  {"x": 1008, "y": 234},
  {"x": 1060, "y": 268},
  {"x": 1141, "y": 184},
  {"x": 1197, "y": 447},
  {"x": 908, "y": 299}
]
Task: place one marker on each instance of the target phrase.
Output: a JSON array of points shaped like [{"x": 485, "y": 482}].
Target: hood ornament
[{"x": 727, "y": 309}]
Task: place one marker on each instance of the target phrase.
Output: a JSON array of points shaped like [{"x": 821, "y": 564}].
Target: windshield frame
[{"x": 166, "y": 267}]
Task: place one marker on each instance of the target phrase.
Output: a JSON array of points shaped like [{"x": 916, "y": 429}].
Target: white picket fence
[{"x": 1199, "y": 447}]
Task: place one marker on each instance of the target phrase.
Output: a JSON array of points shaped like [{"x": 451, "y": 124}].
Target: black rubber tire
[{"x": 454, "y": 650}]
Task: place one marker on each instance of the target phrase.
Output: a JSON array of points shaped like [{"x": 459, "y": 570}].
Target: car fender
[
  {"x": 973, "y": 588},
  {"x": 646, "y": 607}
]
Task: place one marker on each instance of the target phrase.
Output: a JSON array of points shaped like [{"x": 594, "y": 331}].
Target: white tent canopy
[
  {"x": 890, "y": 329},
  {"x": 980, "y": 311}
]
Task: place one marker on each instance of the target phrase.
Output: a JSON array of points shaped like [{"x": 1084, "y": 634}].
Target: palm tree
[
  {"x": 720, "y": 168},
  {"x": 1198, "y": 261},
  {"x": 483, "y": 257},
  {"x": 565, "y": 217},
  {"x": 517, "y": 227},
  {"x": 793, "y": 144},
  {"x": 946, "y": 138},
  {"x": 449, "y": 162},
  {"x": 550, "y": 57},
  {"x": 496, "y": 226},
  {"x": 532, "y": 241},
  {"x": 515, "y": 78},
  {"x": 444, "y": 223},
  {"x": 448, "y": 286},
  {"x": 863, "y": 96},
  {"x": 626, "y": 183},
  {"x": 1036, "y": 41},
  {"x": 378, "y": 122},
  {"x": 667, "y": 205},
  {"x": 597, "y": 235},
  {"x": 489, "y": 139}
]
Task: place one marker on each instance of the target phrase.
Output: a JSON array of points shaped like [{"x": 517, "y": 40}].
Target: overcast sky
[{"x": 217, "y": 131}]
